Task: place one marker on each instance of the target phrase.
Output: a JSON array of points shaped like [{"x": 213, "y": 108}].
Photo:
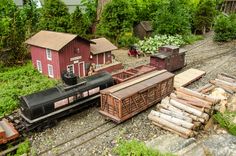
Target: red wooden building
[{"x": 54, "y": 52}]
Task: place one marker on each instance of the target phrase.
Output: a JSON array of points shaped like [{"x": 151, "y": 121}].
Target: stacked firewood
[
  {"x": 183, "y": 112},
  {"x": 226, "y": 82}
]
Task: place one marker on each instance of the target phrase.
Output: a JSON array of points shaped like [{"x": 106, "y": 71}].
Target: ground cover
[{"x": 17, "y": 81}]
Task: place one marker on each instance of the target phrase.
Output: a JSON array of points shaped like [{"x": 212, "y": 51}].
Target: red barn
[{"x": 55, "y": 52}]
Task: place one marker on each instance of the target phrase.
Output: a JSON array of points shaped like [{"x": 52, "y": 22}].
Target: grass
[
  {"x": 190, "y": 39},
  {"x": 136, "y": 148},
  {"x": 226, "y": 120},
  {"x": 18, "y": 81}
]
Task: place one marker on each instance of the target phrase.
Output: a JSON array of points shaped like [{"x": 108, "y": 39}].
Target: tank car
[{"x": 43, "y": 108}]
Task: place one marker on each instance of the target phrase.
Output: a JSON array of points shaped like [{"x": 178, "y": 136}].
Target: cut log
[
  {"x": 177, "y": 115},
  {"x": 198, "y": 95},
  {"x": 224, "y": 78},
  {"x": 204, "y": 87},
  {"x": 208, "y": 89},
  {"x": 230, "y": 85},
  {"x": 193, "y": 100},
  {"x": 182, "y": 112},
  {"x": 223, "y": 86},
  {"x": 189, "y": 103},
  {"x": 170, "y": 125},
  {"x": 229, "y": 76},
  {"x": 172, "y": 119},
  {"x": 171, "y": 130},
  {"x": 186, "y": 108}
]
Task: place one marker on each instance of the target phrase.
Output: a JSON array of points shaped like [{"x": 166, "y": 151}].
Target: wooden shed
[
  {"x": 122, "y": 101},
  {"x": 143, "y": 29}
]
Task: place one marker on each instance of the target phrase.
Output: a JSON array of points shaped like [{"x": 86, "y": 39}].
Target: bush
[
  {"x": 226, "y": 120},
  {"x": 18, "y": 81},
  {"x": 127, "y": 40},
  {"x": 151, "y": 45},
  {"x": 136, "y": 148},
  {"x": 225, "y": 28}
]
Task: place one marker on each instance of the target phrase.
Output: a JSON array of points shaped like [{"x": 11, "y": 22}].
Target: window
[
  {"x": 39, "y": 66},
  {"x": 49, "y": 54},
  {"x": 70, "y": 69},
  {"x": 50, "y": 71}
]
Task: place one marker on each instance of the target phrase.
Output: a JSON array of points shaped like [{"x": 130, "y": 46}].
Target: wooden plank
[
  {"x": 133, "y": 81},
  {"x": 187, "y": 77}
]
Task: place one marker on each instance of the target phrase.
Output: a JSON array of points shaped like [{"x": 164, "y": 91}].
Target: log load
[{"x": 184, "y": 111}]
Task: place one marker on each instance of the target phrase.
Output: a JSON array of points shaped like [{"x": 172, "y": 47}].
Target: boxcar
[{"x": 126, "y": 99}]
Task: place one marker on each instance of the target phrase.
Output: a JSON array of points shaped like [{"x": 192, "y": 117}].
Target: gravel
[{"x": 139, "y": 127}]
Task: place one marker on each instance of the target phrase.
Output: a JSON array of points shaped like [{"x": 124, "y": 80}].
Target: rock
[
  {"x": 219, "y": 93},
  {"x": 209, "y": 124},
  {"x": 169, "y": 143},
  {"x": 231, "y": 106}
]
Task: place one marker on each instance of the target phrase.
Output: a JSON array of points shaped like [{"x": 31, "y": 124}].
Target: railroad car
[{"x": 43, "y": 108}]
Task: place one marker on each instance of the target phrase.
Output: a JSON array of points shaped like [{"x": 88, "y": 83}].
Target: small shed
[
  {"x": 54, "y": 52},
  {"x": 143, "y": 29},
  {"x": 101, "y": 51}
]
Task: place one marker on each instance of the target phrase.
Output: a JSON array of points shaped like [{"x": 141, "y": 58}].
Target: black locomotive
[{"x": 45, "y": 107}]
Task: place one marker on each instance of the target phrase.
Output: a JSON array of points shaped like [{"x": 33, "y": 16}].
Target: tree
[
  {"x": 55, "y": 16},
  {"x": 204, "y": 15},
  {"x": 116, "y": 20},
  {"x": 79, "y": 22},
  {"x": 32, "y": 15},
  {"x": 172, "y": 17},
  {"x": 12, "y": 33}
]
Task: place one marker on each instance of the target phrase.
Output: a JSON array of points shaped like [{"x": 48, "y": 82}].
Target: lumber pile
[{"x": 184, "y": 111}]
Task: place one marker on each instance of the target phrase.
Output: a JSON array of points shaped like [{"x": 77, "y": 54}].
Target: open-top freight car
[
  {"x": 122, "y": 101},
  {"x": 45, "y": 107}
]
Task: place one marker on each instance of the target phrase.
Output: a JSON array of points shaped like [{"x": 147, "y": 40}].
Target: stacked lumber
[{"x": 184, "y": 111}]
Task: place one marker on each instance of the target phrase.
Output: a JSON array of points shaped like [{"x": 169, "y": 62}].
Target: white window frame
[
  {"x": 39, "y": 66},
  {"x": 73, "y": 68},
  {"x": 50, "y": 74},
  {"x": 49, "y": 54}
]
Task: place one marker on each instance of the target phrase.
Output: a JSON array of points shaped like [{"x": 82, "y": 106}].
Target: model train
[{"x": 43, "y": 108}]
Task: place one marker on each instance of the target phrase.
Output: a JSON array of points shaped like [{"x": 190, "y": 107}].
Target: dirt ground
[{"x": 88, "y": 133}]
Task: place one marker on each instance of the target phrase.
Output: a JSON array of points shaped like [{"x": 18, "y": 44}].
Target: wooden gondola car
[{"x": 45, "y": 107}]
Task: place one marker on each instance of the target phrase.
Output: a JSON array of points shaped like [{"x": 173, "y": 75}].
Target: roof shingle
[{"x": 102, "y": 45}]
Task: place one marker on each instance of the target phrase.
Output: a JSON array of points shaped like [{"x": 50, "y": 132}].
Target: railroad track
[{"x": 79, "y": 140}]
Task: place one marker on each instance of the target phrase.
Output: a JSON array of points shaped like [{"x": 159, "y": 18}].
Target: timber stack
[{"x": 184, "y": 112}]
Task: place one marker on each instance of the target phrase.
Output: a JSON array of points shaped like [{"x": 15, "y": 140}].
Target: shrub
[
  {"x": 225, "y": 28},
  {"x": 18, "y": 81},
  {"x": 151, "y": 45},
  {"x": 136, "y": 148},
  {"x": 226, "y": 120},
  {"x": 127, "y": 40}
]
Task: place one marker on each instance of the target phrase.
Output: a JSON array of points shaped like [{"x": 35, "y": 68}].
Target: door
[
  {"x": 81, "y": 69},
  {"x": 70, "y": 68}
]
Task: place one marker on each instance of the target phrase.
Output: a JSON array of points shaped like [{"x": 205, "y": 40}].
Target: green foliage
[
  {"x": 117, "y": 19},
  {"x": 225, "y": 28},
  {"x": 12, "y": 33},
  {"x": 136, "y": 148},
  {"x": 23, "y": 148},
  {"x": 55, "y": 16},
  {"x": 227, "y": 120},
  {"x": 204, "y": 15},
  {"x": 18, "y": 81},
  {"x": 31, "y": 15},
  {"x": 189, "y": 39},
  {"x": 90, "y": 9},
  {"x": 172, "y": 17},
  {"x": 78, "y": 23},
  {"x": 152, "y": 44},
  {"x": 127, "y": 39}
]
